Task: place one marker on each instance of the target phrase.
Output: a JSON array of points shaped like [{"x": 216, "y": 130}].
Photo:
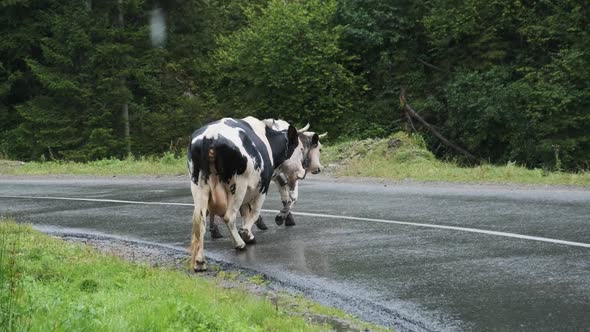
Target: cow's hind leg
[
  {"x": 233, "y": 206},
  {"x": 251, "y": 212},
  {"x": 248, "y": 237},
  {"x": 200, "y": 197}
]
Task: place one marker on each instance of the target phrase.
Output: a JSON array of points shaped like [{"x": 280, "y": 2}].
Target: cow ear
[
  {"x": 292, "y": 135},
  {"x": 315, "y": 139}
]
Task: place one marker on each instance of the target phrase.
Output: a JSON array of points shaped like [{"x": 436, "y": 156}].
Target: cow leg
[
  {"x": 260, "y": 224},
  {"x": 233, "y": 206},
  {"x": 200, "y": 198},
  {"x": 289, "y": 193},
  {"x": 293, "y": 194},
  {"x": 286, "y": 200},
  {"x": 248, "y": 237},
  {"x": 213, "y": 229},
  {"x": 289, "y": 220},
  {"x": 251, "y": 212}
]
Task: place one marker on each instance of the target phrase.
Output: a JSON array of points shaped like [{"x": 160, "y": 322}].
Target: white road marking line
[
  {"x": 97, "y": 200},
  {"x": 331, "y": 216}
]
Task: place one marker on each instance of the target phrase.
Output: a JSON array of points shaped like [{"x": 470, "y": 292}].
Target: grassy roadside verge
[
  {"x": 49, "y": 284},
  {"x": 404, "y": 156},
  {"x": 399, "y": 157},
  {"x": 165, "y": 165}
]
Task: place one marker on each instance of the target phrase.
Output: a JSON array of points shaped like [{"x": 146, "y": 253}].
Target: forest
[{"x": 505, "y": 80}]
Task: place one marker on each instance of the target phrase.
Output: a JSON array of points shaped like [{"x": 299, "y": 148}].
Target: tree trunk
[
  {"x": 125, "y": 115},
  {"x": 125, "y": 108}
]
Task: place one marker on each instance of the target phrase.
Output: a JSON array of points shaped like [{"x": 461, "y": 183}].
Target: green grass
[
  {"x": 51, "y": 285},
  {"x": 166, "y": 165},
  {"x": 403, "y": 156},
  {"x": 408, "y": 158}
]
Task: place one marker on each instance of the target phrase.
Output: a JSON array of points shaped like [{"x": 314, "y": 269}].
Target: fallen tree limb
[
  {"x": 410, "y": 113},
  {"x": 432, "y": 66}
]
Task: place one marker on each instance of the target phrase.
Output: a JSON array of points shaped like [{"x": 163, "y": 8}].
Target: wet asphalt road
[{"x": 410, "y": 277}]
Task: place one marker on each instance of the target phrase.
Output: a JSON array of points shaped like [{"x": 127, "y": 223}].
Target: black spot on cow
[
  {"x": 232, "y": 188},
  {"x": 257, "y": 150},
  {"x": 229, "y": 161},
  {"x": 282, "y": 143},
  {"x": 278, "y": 141},
  {"x": 253, "y": 145}
]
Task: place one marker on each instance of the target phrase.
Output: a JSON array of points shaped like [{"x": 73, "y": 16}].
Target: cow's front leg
[
  {"x": 289, "y": 193},
  {"x": 286, "y": 200},
  {"x": 250, "y": 213},
  {"x": 213, "y": 229},
  {"x": 293, "y": 194},
  {"x": 260, "y": 224},
  {"x": 289, "y": 220}
]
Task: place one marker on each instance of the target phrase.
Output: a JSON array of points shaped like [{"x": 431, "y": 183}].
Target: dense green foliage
[
  {"x": 71, "y": 66},
  {"x": 287, "y": 63},
  {"x": 507, "y": 80}
]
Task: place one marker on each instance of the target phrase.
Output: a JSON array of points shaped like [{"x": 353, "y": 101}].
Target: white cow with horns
[
  {"x": 287, "y": 176},
  {"x": 231, "y": 163}
]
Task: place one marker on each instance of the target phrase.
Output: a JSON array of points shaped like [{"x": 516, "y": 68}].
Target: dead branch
[
  {"x": 430, "y": 65},
  {"x": 411, "y": 113},
  {"x": 410, "y": 121}
]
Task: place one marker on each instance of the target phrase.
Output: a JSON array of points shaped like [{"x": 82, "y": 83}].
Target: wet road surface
[{"x": 408, "y": 276}]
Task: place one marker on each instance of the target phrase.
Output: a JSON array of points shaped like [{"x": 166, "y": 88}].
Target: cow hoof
[
  {"x": 215, "y": 233},
  {"x": 247, "y": 236},
  {"x": 200, "y": 266},
  {"x": 289, "y": 221},
  {"x": 260, "y": 224},
  {"x": 280, "y": 219},
  {"x": 240, "y": 247}
]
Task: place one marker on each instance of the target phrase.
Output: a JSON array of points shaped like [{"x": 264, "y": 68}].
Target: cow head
[
  {"x": 312, "y": 149},
  {"x": 307, "y": 156}
]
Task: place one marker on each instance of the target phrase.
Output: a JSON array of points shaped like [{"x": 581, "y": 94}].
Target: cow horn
[
  {"x": 323, "y": 135},
  {"x": 303, "y": 129}
]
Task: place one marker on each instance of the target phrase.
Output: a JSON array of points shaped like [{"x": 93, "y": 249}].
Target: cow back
[{"x": 233, "y": 144}]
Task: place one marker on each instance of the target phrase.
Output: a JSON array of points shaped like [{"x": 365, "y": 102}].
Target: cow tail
[
  {"x": 198, "y": 160},
  {"x": 192, "y": 168}
]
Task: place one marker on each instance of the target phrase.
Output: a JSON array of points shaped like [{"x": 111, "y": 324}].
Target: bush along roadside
[{"x": 51, "y": 284}]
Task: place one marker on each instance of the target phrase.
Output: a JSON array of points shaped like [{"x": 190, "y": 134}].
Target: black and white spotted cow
[
  {"x": 231, "y": 163},
  {"x": 287, "y": 177}
]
